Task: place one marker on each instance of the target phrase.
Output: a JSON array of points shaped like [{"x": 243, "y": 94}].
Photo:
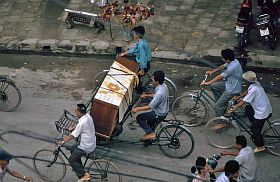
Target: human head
[
  {"x": 158, "y": 77},
  {"x": 81, "y": 110},
  {"x": 139, "y": 32},
  {"x": 228, "y": 55},
  {"x": 200, "y": 165},
  {"x": 232, "y": 169},
  {"x": 250, "y": 76},
  {"x": 240, "y": 141},
  {"x": 4, "y": 158}
]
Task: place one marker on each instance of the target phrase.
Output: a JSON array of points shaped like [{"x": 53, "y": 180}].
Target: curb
[{"x": 99, "y": 47}]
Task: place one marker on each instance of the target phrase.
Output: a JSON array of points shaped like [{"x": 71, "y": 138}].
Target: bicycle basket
[{"x": 66, "y": 120}]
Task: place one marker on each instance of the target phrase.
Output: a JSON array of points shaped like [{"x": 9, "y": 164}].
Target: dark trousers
[
  {"x": 221, "y": 96},
  {"x": 256, "y": 126},
  {"x": 76, "y": 162},
  {"x": 148, "y": 121},
  {"x": 139, "y": 89}
]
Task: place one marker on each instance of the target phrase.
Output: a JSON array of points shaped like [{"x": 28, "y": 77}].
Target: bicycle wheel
[
  {"x": 48, "y": 166},
  {"x": 190, "y": 109},
  {"x": 99, "y": 77},
  {"x": 10, "y": 96},
  {"x": 271, "y": 138},
  {"x": 104, "y": 170},
  {"x": 221, "y": 132},
  {"x": 175, "y": 141}
]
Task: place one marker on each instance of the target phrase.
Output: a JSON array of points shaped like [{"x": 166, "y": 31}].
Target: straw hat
[{"x": 250, "y": 76}]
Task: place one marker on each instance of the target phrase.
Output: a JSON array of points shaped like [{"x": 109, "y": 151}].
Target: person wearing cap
[
  {"x": 260, "y": 108},
  {"x": 227, "y": 84},
  {"x": 85, "y": 128},
  {"x": 4, "y": 161}
]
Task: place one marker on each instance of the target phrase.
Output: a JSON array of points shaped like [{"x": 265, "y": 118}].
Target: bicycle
[
  {"x": 147, "y": 84},
  {"x": 194, "y": 108},
  {"x": 171, "y": 137},
  {"x": 10, "y": 96},
  {"x": 50, "y": 166},
  {"x": 221, "y": 132}
]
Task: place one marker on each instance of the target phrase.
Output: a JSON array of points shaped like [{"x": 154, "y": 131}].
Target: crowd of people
[{"x": 225, "y": 86}]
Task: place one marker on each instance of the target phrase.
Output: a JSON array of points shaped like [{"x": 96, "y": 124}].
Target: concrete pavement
[{"x": 181, "y": 29}]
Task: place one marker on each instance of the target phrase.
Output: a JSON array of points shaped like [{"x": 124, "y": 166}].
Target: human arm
[
  {"x": 143, "y": 108},
  {"x": 20, "y": 176},
  {"x": 235, "y": 98},
  {"x": 217, "y": 78},
  {"x": 225, "y": 153},
  {"x": 146, "y": 95},
  {"x": 210, "y": 72},
  {"x": 237, "y": 106},
  {"x": 123, "y": 54}
]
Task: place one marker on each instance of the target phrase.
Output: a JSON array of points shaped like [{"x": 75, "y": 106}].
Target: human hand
[
  {"x": 121, "y": 55},
  {"x": 142, "y": 96},
  {"x": 204, "y": 83},
  {"x": 71, "y": 128},
  {"x": 134, "y": 110},
  {"x": 209, "y": 72},
  {"x": 229, "y": 112},
  {"x": 59, "y": 143},
  {"x": 235, "y": 98},
  {"x": 141, "y": 72},
  {"x": 28, "y": 178}
]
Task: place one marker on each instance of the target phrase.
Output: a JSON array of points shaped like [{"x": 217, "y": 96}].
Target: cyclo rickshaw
[{"x": 110, "y": 106}]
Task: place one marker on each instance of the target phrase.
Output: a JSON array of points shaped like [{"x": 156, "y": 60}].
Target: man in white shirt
[
  {"x": 230, "y": 173},
  {"x": 246, "y": 159},
  {"x": 256, "y": 96},
  {"x": 85, "y": 129}
]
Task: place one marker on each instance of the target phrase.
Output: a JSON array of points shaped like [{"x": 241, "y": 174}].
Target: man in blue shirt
[
  {"x": 143, "y": 54},
  {"x": 159, "y": 107},
  {"x": 141, "y": 50},
  {"x": 224, "y": 90}
]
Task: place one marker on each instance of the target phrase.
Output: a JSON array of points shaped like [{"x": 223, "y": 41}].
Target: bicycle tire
[
  {"x": 100, "y": 168},
  {"x": 99, "y": 77},
  {"x": 272, "y": 145},
  {"x": 190, "y": 109},
  {"x": 40, "y": 161},
  {"x": 172, "y": 137},
  {"x": 223, "y": 137},
  {"x": 11, "y": 98}
]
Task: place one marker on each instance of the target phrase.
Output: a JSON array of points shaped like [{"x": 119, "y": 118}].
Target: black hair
[
  {"x": 199, "y": 165},
  {"x": 139, "y": 30},
  {"x": 82, "y": 108},
  {"x": 241, "y": 140},
  {"x": 228, "y": 54},
  {"x": 159, "y": 76},
  {"x": 231, "y": 167}
]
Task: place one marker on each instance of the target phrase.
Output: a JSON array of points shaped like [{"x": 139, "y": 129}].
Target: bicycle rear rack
[{"x": 66, "y": 120}]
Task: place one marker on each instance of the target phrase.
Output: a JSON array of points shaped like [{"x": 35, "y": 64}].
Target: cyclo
[{"x": 110, "y": 106}]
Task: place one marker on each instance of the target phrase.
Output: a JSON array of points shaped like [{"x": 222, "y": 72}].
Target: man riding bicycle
[
  {"x": 85, "y": 129},
  {"x": 159, "y": 106},
  {"x": 259, "y": 109},
  {"x": 224, "y": 90}
]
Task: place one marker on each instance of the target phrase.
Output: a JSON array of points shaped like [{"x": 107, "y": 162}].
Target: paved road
[
  {"x": 50, "y": 84},
  {"x": 194, "y": 27}
]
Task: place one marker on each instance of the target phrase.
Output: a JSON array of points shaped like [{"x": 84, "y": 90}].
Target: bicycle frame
[{"x": 59, "y": 150}]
